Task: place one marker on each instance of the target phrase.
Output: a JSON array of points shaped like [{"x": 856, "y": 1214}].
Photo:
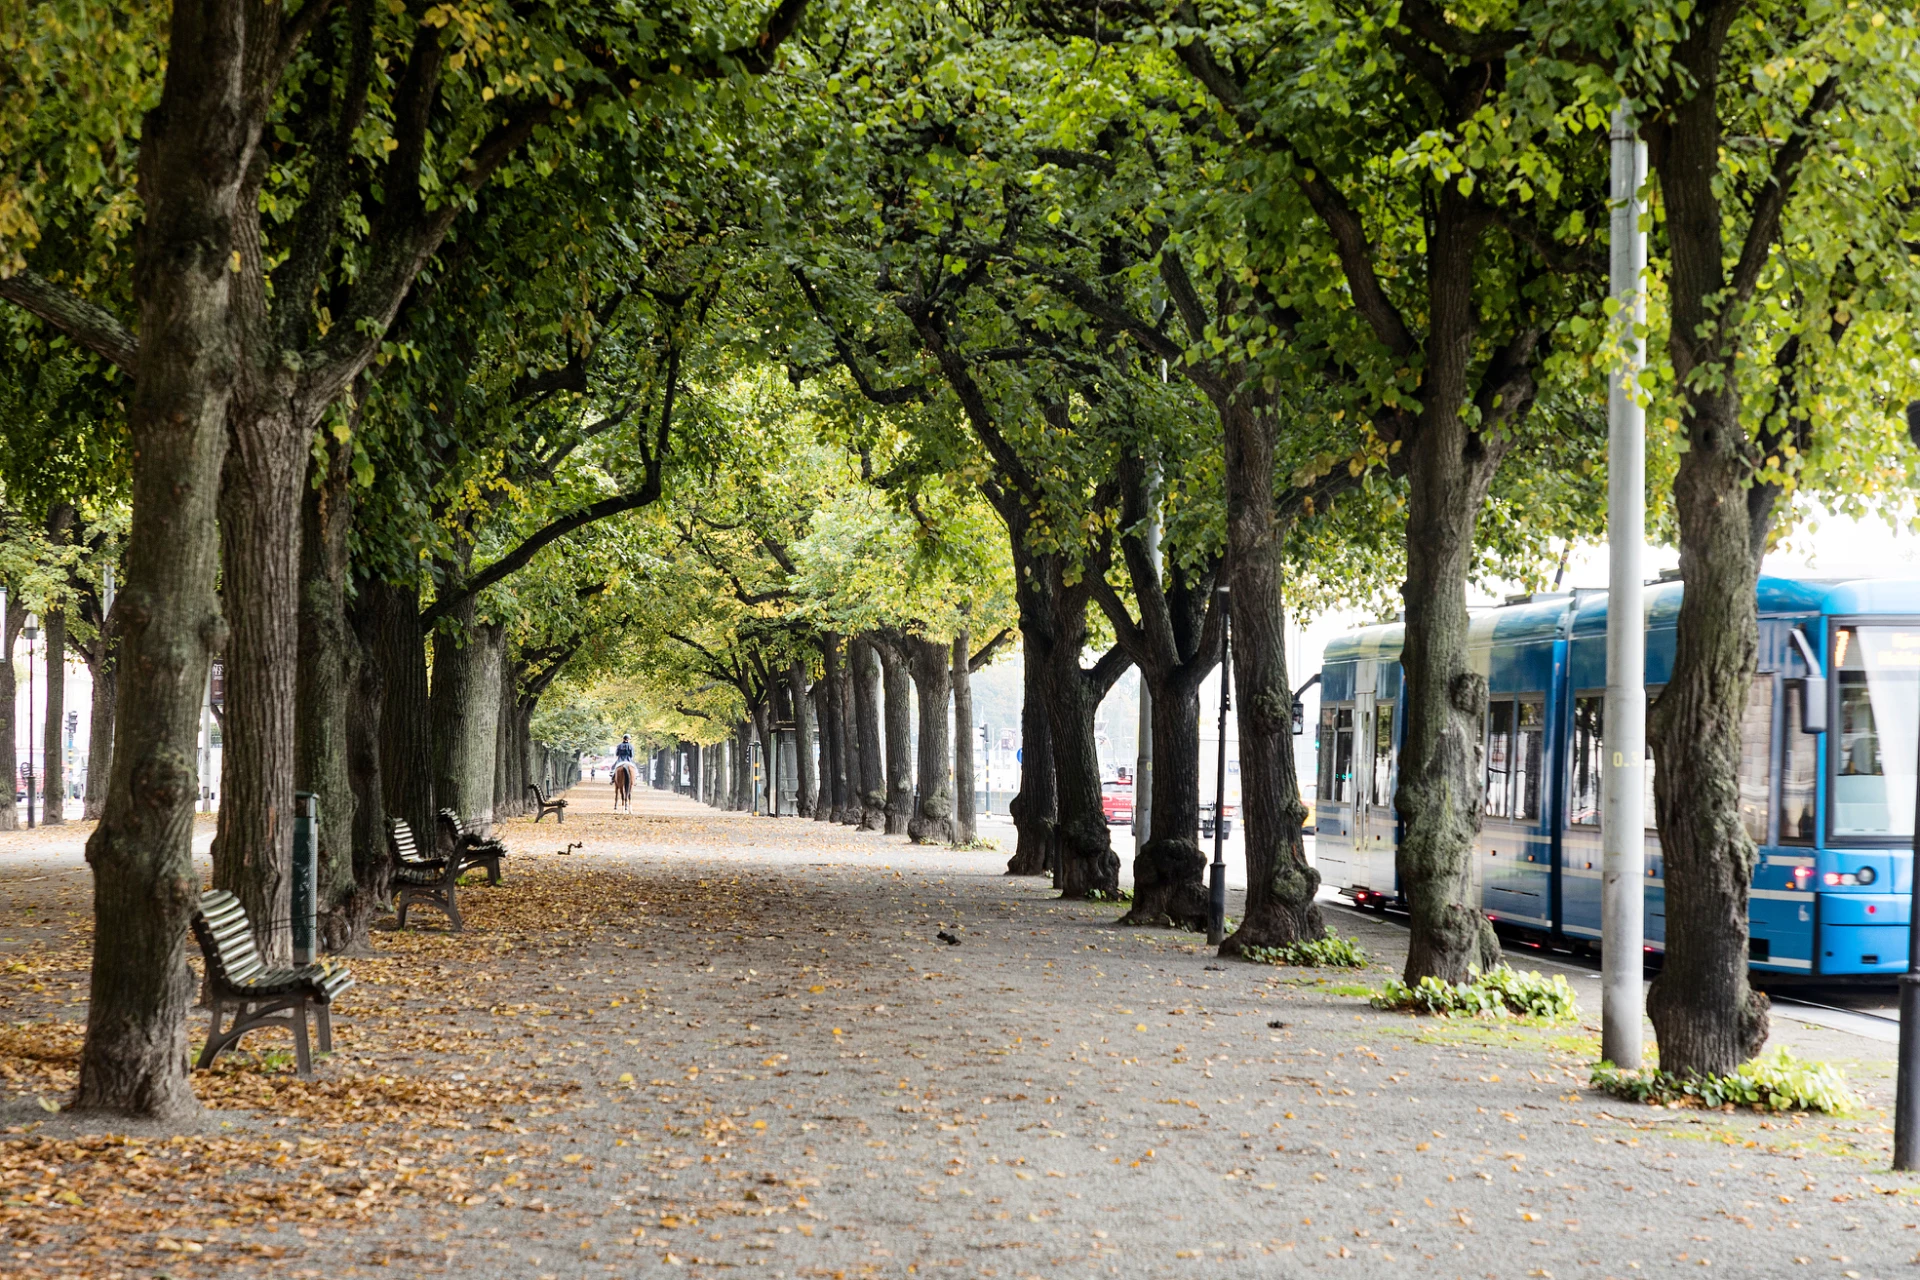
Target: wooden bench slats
[
  {"x": 546, "y": 804},
  {"x": 471, "y": 849},
  {"x": 426, "y": 880},
  {"x": 259, "y": 996}
]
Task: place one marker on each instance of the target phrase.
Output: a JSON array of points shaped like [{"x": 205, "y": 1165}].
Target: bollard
[{"x": 306, "y": 877}]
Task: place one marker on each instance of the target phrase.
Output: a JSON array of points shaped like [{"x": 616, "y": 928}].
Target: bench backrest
[
  {"x": 460, "y": 829},
  {"x": 226, "y": 940},
  {"x": 400, "y": 831}
]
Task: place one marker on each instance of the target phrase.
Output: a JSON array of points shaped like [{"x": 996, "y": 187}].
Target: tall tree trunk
[
  {"x": 348, "y": 927},
  {"x": 866, "y": 670},
  {"x": 932, "y": 818},
  {"x": 774, "y": 741},
  {"x": 1442, "y": 788},
  {"x": 1169, "y": 872},
  {"x": 260, "y": 497},
  {"x": 101, "y": 658},
  {"x": 465, "y": 701},
  {"x": 328, "y": 651},
  {"x": 803, "y": 734},
  {"x": 1705, "y": 1012},
  {"x": 1035, "y": 811},
  {"x": 850, "y": 747},
  {"x": 1174, "y": 643},
  {"x": 1053, "y": 619},
  {"x": 509, "y": 757},
  {"x": 406, "y": 740},
  {"x": 53, "y": 774},
  {"x": 965, "y": 829},
  {"x": 195, "y": 150},
  {"x": 743, "y": 768},
  {"x": 1280, "y": 884},
  {"x": 899, "y": 723},
  {"x": 833, "y": 746},
  {"x": 10, "y": 628}
]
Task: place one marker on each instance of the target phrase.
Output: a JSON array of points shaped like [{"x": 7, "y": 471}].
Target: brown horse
[{"x": 623, "y": 778}]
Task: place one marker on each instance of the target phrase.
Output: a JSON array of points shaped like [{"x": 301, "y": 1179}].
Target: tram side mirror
[
  {"x": 1299, "y": 717},
  {"x": 1813, "y": 707}
]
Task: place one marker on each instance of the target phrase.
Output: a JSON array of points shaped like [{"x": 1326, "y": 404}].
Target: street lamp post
[
  {"x": 1624, "y": 712},
  {"x": 32, "y": 633},
  {"x": 1217, "y": 884}
]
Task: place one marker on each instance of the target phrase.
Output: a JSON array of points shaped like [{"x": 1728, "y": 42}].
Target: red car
[{"x": 1116, "y": 802}]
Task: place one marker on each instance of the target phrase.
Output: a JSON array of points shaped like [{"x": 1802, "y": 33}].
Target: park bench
[
  {"x": 557, "y": 807},
  {"x": 259, "y": 997},
  {"x": 419, "y": 878},
  {"x": 470, "y": 848}
]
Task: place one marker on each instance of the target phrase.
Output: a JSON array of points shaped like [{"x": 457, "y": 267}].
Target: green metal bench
[{"x": 240, "y": 981}]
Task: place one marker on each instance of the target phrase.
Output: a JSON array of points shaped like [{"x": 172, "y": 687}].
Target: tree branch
[{"x": 91, "y": 326}]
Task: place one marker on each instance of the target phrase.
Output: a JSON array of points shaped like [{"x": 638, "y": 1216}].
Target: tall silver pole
[
  {"x": 1143, "y": 766},
  {"x": 1624, "y": 727}
]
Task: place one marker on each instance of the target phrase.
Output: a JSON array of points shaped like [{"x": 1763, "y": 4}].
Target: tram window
[
  {"x": 1756, "y": 757},
  {"x": 1797, "y": 769},
  {"x": 1529, "y": 738},
  {"x": 1589, "y": 757},
  {"x": 1499, "y": 759},
  {"x": 1325, "y": 746},
  {"x": 1872, "y": 753},
  {"x": 1649, "y": 814},
  {"x": 1383, "y": 755},
  {"x": 1343, "y": 755}
]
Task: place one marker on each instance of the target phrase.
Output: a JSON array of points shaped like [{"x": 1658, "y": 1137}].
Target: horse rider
[{"x": 624, "y": 751}]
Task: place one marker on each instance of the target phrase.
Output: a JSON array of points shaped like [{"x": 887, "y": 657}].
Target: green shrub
[
  {"x": 1497, "y": 993},
  {"x": 1332, "y": 951},
  {"x": 1775, "y": 1082}
]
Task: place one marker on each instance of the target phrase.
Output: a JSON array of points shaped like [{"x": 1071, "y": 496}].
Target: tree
[
  {"x": 1783, "y": 142},
  {"x": 216, "y": 358}
]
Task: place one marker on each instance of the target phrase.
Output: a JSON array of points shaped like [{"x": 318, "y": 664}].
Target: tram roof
[{"x": 1541, "y": 616}]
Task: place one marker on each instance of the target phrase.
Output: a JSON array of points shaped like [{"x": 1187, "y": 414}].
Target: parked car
[
  {"x": 1116, "y": 801},
  {"x": 1206, "y": 822}
]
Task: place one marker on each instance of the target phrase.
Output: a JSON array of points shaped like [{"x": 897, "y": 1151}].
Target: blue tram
[{"x": 1828, "y": 796}]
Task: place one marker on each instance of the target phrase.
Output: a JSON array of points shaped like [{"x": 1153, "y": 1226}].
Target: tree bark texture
[
  {"x": 328, "y": 651},
  {"x": 1175, "y": 643},
  {"x": 834, "y": 793},
  {"x": 1280, "y": 885},
  {"x": 406, "y": 738},
  {"x": 510, "y": 746},
  {"x": 899, "y": 726},
  {"x": 348, "y": 927},
  {"x": 931, "y": 663},
  {"x": 53, "y": 754},
  {"x": 260, "y": 497},
  {"x": 1442, "y": 790},
  {"x": 965, "y": 829},
  {"x": 1706, "y": 1015},
  {"x": 1035, "y": 811},
  {"x": 1053, "y": 620},
  {"x": 805, "y": 769},
  {"x": 195, "y": 150},
  {"x": 101, "y": 657},
  {"x": 865, "y": 660},
  {"x": 466, "y": 696},
  {"x": 743, "y": 768},
  {"x": 10, "y": 628}
]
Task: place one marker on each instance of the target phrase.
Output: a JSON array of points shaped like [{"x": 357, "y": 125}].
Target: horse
[{"x": 624, "y": 775}]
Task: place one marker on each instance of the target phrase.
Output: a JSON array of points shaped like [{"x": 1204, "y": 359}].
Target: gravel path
[{"x": 708, "y": 1042}]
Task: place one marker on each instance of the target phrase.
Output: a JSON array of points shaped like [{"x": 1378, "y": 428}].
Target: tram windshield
[{"x": 1871, "y": 754}]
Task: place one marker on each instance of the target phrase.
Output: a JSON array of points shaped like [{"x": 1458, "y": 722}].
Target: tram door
[
  {"x": 1382, "y": 822},
  {"x": 1366, "y": 826}
]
